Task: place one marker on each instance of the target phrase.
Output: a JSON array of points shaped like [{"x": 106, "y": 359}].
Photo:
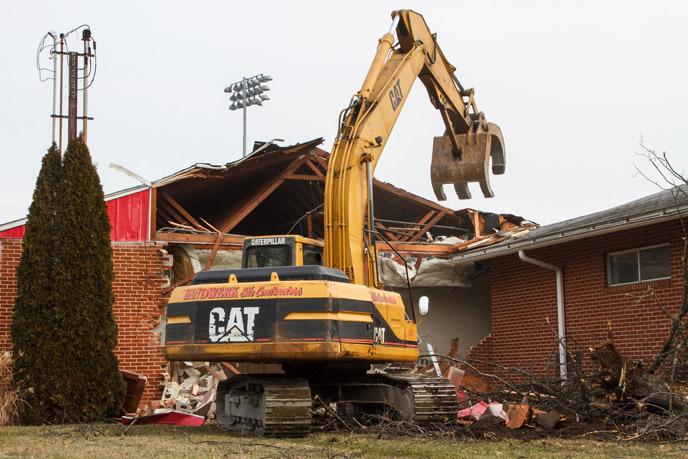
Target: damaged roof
[
  {"x": 669, "y": 204},
  {"x": 280, "y": 190},
  {"x": 274, "y": 188}
]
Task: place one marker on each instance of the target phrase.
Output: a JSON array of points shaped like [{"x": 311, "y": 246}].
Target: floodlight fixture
[{"x": 247, "y": 92}]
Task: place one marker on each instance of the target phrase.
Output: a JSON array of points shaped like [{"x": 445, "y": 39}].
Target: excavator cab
[{"x": 274, "y": 251}]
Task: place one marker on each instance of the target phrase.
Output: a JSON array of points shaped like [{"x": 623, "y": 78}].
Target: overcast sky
[{"x": 574, "y": 87}]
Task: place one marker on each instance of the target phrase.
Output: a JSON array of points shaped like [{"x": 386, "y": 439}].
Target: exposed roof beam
[
  {"x": 201, "y": 238},
  {"x": 255, "y": 200},
  {"x": 170, "y": 200},
  {"x": 421, "y": 222},
  {"x": 318, "y": 178},
  {"x": 429, "y": 225},
  {"x": 418, "y": 248},
  {"x": 313, "y": 167}
]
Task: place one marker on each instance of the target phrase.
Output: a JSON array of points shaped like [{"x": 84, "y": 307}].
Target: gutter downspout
[{"x": 561, "y": 317}]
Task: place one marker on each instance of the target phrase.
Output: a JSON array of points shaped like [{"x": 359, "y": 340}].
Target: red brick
[{"x": 138, "y": 303}]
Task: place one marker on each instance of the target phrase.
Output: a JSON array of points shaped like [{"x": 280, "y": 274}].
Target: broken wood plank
[{"x": 213, "y": 252}]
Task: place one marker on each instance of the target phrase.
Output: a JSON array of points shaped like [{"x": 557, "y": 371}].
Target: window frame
[
  {"x": 637, "y": 252},
  {"x": 288, "y": 247}
]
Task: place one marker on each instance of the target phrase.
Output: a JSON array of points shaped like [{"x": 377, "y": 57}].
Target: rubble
[
  {"x": 620, "y": 399},
  {"x": 188, "y": 396},
  {"x": 136, "y": 383},
  {"x": 518, "y": 414}
]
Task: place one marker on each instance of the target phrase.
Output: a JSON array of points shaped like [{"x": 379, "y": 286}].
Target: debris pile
[
  {"x": 188, "y": 396},
  {"x": 620, "y": 398}
]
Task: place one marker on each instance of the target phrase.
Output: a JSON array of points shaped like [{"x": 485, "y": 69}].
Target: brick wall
[
  {"x": 138, "y": 306},
  {"x": 10, "y": 251},
  {"x": 523, "y": 296}
]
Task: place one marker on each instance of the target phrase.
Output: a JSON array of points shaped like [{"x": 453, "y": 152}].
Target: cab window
[
  {"x": 312, "y": 255},
  {"x": 268, "y": 256}
]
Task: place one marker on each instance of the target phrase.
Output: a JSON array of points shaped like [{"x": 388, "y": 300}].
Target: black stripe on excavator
[{"x": 262, "y": 320}]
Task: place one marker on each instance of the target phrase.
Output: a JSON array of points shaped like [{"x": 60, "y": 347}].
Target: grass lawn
[{"x": 108, "y": 441}]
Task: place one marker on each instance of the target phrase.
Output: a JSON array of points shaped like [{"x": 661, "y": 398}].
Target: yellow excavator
[{"x": 319, "y": 309}]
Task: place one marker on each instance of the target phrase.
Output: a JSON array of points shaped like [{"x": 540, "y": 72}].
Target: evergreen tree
[
  {"x": 86, "y": 382},
  {"x": 32, "y": 315}
]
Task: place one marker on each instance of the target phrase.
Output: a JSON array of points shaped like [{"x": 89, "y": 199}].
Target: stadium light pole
[{"x": 249, "y": 91}]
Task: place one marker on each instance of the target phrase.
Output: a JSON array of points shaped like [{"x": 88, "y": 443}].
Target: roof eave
[{"x": 574, "y": 234}]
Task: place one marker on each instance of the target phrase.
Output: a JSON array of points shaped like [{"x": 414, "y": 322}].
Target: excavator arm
[{"x": 460, "y": 156}]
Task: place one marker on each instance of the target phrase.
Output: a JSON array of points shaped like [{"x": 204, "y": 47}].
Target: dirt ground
[{"x": 110, "y": 441}]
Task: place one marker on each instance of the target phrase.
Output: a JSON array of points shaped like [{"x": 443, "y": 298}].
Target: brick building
[
  {"x": 466, "y": 261},
  {"x": 620, "y": 268},
  {"x": 197, "y": 219}
]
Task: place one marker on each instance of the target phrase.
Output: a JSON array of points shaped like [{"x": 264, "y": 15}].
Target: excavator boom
[{"x": 462, "y": 155}]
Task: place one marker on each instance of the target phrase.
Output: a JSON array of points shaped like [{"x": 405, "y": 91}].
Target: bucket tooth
[{"x": 477, "y": 149}]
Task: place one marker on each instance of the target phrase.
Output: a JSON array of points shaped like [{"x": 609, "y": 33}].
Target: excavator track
[
  {"x": 281, "y": 406},
  {"x": 434, "y": 398},
  {"x": 265, "y": 406}
]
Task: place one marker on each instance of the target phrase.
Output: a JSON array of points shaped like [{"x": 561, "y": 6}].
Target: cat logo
[
  {"x": 395, "y": 95},
  {"x": 235, "y": 327}
]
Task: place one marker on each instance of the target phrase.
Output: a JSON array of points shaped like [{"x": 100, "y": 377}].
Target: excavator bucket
[{"x": 469, "y": 164}]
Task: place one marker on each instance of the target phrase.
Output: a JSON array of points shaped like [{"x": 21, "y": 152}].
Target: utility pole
[
  {"x": 243, "y": 86},
  {"x": 71, "y": 97},
  {"x": 58, "y": 49}
]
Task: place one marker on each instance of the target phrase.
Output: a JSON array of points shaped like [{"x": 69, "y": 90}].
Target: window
[
  {"x": 312, "y": 255},
  {"x": 268, "y": 256},
  {"x": 639, "y": 265}
]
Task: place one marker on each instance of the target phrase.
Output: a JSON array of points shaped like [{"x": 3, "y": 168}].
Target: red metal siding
[
  {"x": 17, "y": 231},
  {"x": 128, "y": 216}
]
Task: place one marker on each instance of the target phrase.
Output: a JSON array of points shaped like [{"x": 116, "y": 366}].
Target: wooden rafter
[
  {"x": 428, "y": 225},
  {"x": 318, "y": 178},
  {"x": 231, "y": 240},
  {"x": 255, "y": 200},
  {"x": 388, "y": 234},
  {"x": 420, "y": 223},
  {"x": 403, "y": 247},
  {"x": 162, "y": 211},
  {"x": 176, "y": 216},
  {"x": 187, "y": 216},
  {"x": 314, "y": 168}
]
